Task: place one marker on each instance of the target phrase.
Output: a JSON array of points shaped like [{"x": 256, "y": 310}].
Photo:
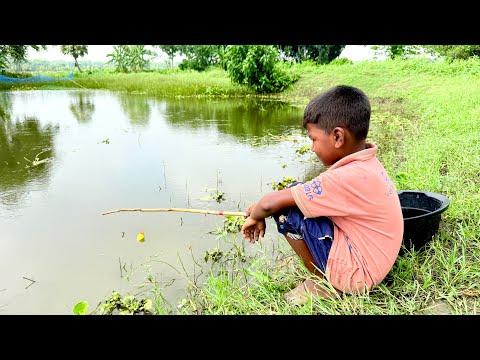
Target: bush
[
  {"x": 257, "y": 67},
  {"x": 341, "y": 61}
]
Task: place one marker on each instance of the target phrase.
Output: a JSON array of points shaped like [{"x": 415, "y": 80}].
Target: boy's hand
[
  {"x": 252, "y": 229},
  {"x": 249, "y": 209}
]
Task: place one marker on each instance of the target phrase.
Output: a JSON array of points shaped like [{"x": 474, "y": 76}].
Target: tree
[
  {"x": 76, "y": 51},
  {"x": 321, "y": 54},
  {"x": 137, "y": 55},
  {"x": 451, "y": 52},
  {"x": 119, "y": 58},
  {"x": 257, "y": 67},
  {"x": 200, "y": 57},
  {"x": 16, "y": 54},
  {"x": 170, "y": 50},
  {"x": 130, "y": 57},
  {"x": 396, "y": 51}
]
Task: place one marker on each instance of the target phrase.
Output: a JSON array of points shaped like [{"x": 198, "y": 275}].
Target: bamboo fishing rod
[{"x": 197, "y": 211}]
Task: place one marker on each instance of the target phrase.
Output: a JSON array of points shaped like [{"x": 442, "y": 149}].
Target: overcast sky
[{"x": 99, "y": 53}]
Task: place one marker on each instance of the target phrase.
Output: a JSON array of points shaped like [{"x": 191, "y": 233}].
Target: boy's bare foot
[{"x": 301, "y": 294}]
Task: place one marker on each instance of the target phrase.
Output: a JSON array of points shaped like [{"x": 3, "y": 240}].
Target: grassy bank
[
  {"x": 426, "y": 121},
  {"x": 161, "y": 83}
]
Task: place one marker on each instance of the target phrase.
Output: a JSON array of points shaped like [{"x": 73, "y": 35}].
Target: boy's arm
[
  {"x": 271, "y": 203},
  {"x": 254, "y": 226}
]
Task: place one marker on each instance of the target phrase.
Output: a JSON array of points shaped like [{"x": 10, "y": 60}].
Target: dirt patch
[{"x": 438, "y": 307}]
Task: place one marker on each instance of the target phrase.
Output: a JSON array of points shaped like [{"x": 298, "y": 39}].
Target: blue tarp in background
[{"x": 36, "y": 78}]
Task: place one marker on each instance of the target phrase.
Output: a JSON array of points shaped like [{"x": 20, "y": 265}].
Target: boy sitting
[{"x": 346, "y": 224}]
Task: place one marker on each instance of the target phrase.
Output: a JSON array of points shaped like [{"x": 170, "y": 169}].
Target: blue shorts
[{"x": 316, "y": 232}]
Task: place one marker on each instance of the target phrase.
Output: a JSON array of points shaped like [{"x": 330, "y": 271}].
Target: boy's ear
[{"x": 339, "y": 136}]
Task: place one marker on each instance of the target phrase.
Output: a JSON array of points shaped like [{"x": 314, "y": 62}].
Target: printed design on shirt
[
  {"x": 347, "y": 239},
  {"x": 314, "y": 187},
  {"x": 389, "y": 184}
]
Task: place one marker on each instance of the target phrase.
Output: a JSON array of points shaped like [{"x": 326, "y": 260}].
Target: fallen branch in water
[
  {"x": 198, "y": 211},
  {"x": 37, "y": 160}
]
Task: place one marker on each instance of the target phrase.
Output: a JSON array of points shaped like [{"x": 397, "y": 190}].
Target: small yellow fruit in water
[{"x": 141, "y": 237}]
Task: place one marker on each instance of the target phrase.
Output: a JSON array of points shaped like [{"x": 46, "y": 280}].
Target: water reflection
[
  {"x": 136, "y": 107},
  {"x": 241, "y": 118},
  {"x": 26, "y": 149},
  {"x": 82, "y": 107},
  {"x": 5, "y": 106}
]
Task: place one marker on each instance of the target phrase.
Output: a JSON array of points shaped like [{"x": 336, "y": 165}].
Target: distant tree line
[
  {"x": 263, "y": 68},
  {"x": 449, "y": 52},
  {"x": 60, "y": 65},
  {"x": 200, "y": 57}
]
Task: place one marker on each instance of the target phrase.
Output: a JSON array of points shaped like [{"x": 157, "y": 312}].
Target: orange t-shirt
[{"x": 357, "y": 194}]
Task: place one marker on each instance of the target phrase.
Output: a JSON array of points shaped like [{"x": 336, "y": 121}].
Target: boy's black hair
[{"x": 342, "y": 105}]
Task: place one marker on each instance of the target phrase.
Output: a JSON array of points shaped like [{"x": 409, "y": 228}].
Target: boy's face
[{"x": 323, "y": 145}]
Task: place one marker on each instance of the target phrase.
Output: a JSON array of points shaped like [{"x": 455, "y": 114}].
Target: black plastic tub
[{"x": 422, "y": 212}]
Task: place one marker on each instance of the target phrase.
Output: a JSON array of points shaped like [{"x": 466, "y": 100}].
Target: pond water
[{"x": 67, "y": 156}]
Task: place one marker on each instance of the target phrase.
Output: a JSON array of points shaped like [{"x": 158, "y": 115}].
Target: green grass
[
  {"x": 426, "y": 117},
  {"x": 161, "y": 83},
  {"x": 426, "y": 121}
]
